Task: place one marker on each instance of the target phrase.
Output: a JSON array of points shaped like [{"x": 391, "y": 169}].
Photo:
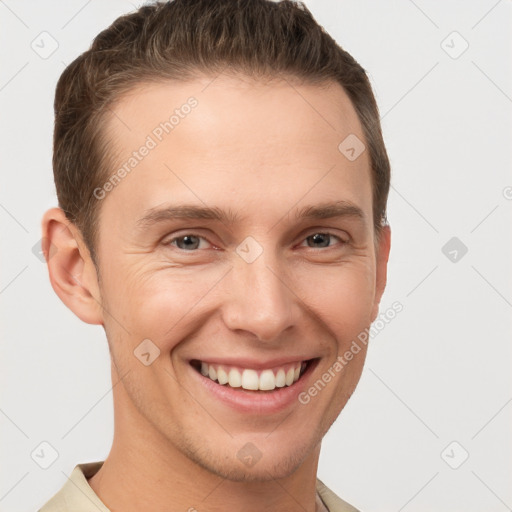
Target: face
[{"x": 240, "y": 247}]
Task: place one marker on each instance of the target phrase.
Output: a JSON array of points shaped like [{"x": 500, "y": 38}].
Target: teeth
[
  {"x": 235, "y": 379},
  {"x": 280, "y": 378},
  {"x": 222, "y": 376},
  {"x": 250, "y": 379},
  {"x": 265, "y": 380}
]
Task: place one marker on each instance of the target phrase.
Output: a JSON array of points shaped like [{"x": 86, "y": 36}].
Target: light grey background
[{"x": 438, "y": 373}]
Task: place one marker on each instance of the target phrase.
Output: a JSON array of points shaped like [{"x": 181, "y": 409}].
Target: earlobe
[
  {"x": 71, "y": 270},
  {"x": 381, "y": 265}
]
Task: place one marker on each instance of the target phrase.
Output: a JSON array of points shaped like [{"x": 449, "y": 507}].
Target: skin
[{"x": 262, "y": 151}]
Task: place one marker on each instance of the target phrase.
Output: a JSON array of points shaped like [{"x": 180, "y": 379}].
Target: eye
[
  {"x": 320, "y": 240},
  {"x": 188, "y": 242},
  {"x": 192, "y": 242}
]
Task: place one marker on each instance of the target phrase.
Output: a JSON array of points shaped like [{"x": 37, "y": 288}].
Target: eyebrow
[{"x": 329, "y": 210}]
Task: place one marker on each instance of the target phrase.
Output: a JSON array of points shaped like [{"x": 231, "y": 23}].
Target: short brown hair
[{"x": 179, "y": 40}]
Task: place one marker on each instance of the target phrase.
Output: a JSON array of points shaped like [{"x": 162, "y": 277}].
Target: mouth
[{"x": 263, "y": 380}]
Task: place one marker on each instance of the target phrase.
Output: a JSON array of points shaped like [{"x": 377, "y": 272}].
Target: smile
[{"x": 250, "y": 379}]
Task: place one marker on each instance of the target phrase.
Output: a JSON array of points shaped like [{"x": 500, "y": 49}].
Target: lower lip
[{"x": 257, "y": 402}]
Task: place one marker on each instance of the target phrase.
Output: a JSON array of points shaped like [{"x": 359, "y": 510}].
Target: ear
[
  {"x": 382, "y": 256},
  {"x": 72, "y": 272}
]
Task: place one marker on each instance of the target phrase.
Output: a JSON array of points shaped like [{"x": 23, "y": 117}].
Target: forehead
[
  {"x": 237, "y": 141},
  {"x": 227, "y": 104}
]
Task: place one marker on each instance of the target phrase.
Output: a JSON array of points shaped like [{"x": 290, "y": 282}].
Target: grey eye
[
  {"x": 190, "y": 242},
  {"x": 321, "y": 239}
]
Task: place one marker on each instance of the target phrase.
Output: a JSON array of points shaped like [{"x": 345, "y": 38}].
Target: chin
[
  {"x": 260, "y": 472},
  {"x": 269, "y": 466}
]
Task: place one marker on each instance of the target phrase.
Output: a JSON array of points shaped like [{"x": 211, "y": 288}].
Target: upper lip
[{"x": 256, "y": 364}]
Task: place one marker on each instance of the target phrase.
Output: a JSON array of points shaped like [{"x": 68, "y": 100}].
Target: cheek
[
  {"x": 157, "y": 303},
  {"x": 342, "y": 296}
]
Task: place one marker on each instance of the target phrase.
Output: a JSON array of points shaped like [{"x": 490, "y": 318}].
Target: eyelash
[{"x": 329, "y": 233}]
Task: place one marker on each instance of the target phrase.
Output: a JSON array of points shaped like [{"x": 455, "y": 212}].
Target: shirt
[{"x": 77, "y": 495}]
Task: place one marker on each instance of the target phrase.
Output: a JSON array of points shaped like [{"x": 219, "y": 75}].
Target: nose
[{"x": 261, "y": 300}]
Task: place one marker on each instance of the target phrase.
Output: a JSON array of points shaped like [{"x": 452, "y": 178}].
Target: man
[{"x": 222, "y": 183}]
